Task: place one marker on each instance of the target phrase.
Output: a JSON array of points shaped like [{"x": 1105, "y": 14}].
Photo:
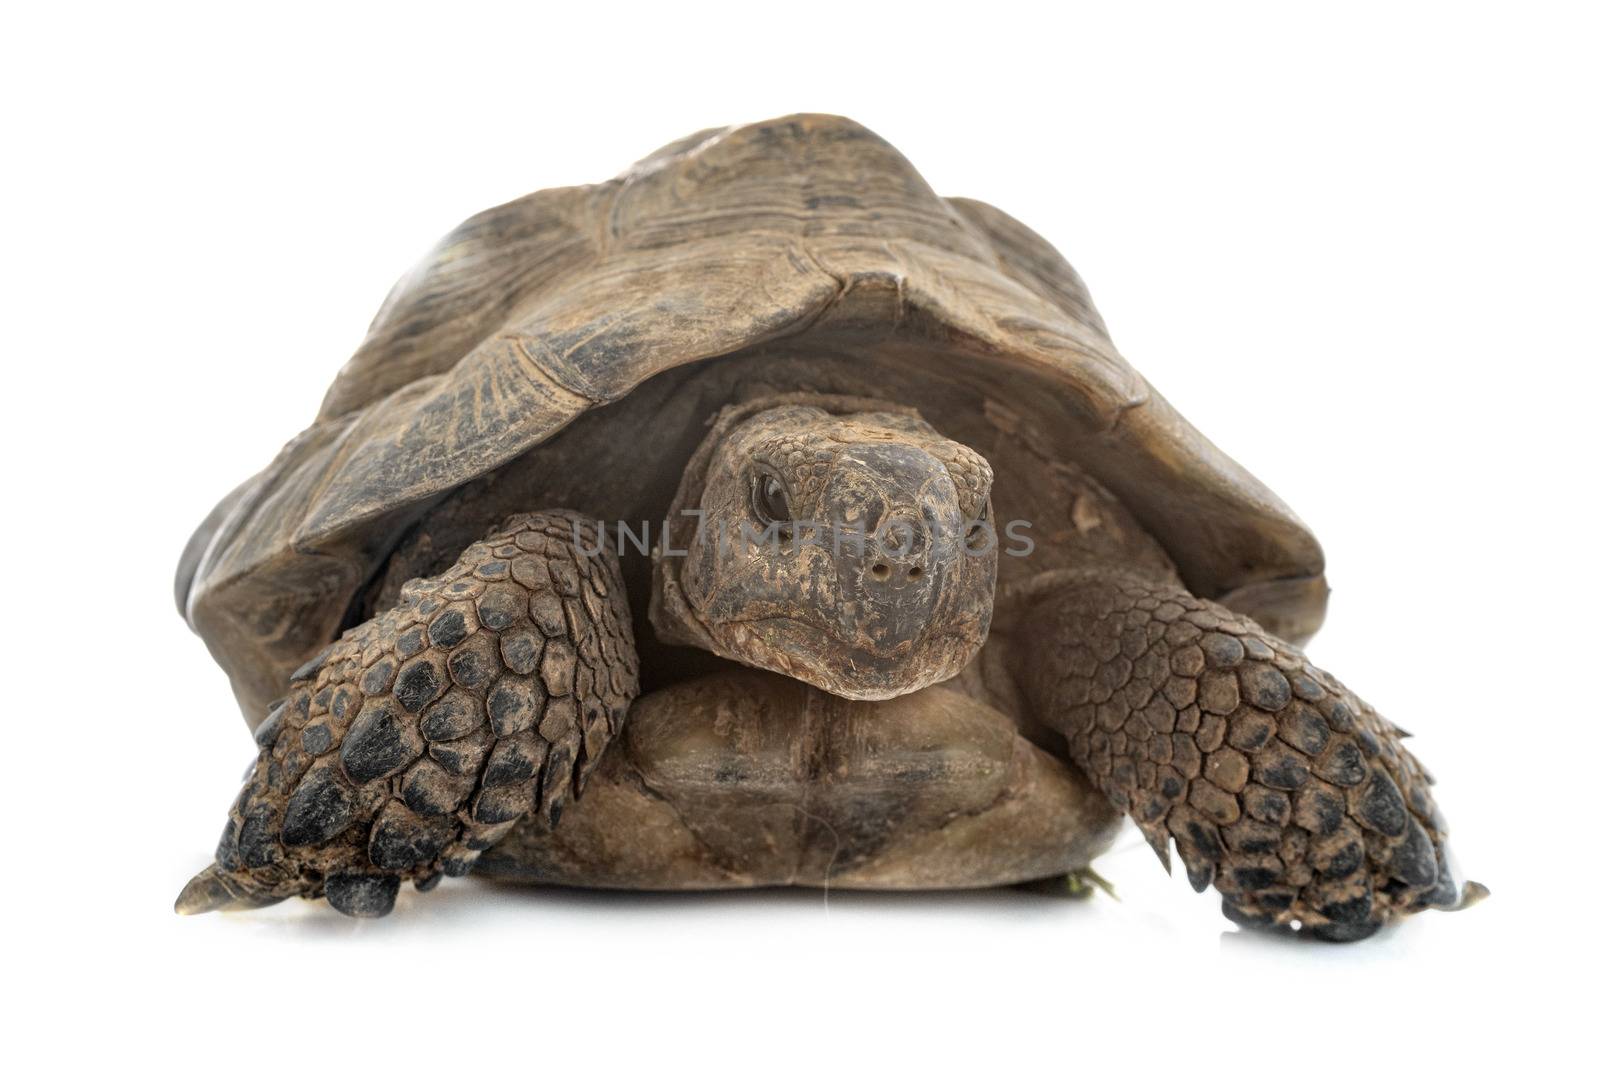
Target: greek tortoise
[{"x": 666, "y": 396}]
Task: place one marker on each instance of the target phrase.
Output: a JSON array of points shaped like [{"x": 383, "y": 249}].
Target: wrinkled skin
[
  {"x": 1278, "y": 785},
  {"x": 842, "y": 550}
]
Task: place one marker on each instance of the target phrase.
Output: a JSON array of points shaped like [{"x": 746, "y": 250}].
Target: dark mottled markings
[
  {"x": 515, "y": 704},
  {"x": 514, "y": 759},
  {"x": 1293, "y": 798},
  {"x": 1381, "y": 807},
  {"x": 321, "y": 807},
  {"x": 1264, "y": 686},
  {"x": 1319, "y": 809},
  {"x": 456, "y": 714},
  {"x": 402, "y": 839},
  {"x": 1302, "y": 728},
  {"x": 258, "y": 846},
  {"x": 1280, "y": 768},
  {"x": 316, "y": 738},
  {"x": 545, "y": 610},
  {"x": 227, "y": 853},
  {"x": 363, "y": 896},
  {"x": 410, "y": 642},
  {"x": 1338, "y": 856},
  {"x": 429, "y": 789},
  {"x": 457, "y": 866},
  {"x": 1222, "y": 650},
  {"x": 378, "y": 677},
  {"x": 463, "y": 756},
  {"x": 521, "y": 651},
  {"x": 449, "y": 629},
  {"x": 380, "y": 742},
  {"x": 344, "y": 702},
  {"x": 418, "y": 684},
  {"x": 499, "y": 804},
  {"x": 1342, "y": 764},
  {"x": 1355, "y": 910},
  {"x": 474, "y": 665},
  {"x": 448, "y": 694},
  {"x": 1249, "y": 731},
  {"x": 502, "y": 607}
]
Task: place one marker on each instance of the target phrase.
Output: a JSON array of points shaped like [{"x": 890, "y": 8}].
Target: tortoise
[{"x": 759, "y": 517}]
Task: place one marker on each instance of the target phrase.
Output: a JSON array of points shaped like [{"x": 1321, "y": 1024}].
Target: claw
[
  {"x": 1160, "y": 843},
  {"x": 213, "y": 890},
  {"x": 1471, "y": 893}
]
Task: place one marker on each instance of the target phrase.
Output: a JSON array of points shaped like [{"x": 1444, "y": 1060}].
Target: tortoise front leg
[
  {"x": 1280, "y": 786},
  {"x": 420, "y": 737}
]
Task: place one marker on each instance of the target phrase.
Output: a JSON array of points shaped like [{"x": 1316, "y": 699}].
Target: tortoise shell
[{"x": 809, "y": 228}]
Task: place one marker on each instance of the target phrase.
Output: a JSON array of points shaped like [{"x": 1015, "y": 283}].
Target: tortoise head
[{"x": 842, "y": 542}]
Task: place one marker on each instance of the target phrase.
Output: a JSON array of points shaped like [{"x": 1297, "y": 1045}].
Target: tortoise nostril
[
  {"x": 880, "y": 571},
  {"x": 914, "y": 572}
]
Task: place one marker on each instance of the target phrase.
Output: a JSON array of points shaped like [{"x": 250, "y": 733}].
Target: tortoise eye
[{"x": 770, "y": 500}]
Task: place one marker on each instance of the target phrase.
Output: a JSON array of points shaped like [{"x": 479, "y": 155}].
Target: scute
[{"x": 536, "y": 311}]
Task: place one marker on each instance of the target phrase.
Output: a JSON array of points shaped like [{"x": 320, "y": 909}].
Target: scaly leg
[
  {"x": 1279, "y": 785},
  {"x": 416, "y": 740}
]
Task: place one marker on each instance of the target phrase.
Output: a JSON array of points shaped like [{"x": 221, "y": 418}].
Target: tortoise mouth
[{"x": 820, "y": 658}]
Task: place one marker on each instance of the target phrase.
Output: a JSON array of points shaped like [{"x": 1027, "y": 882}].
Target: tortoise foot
[
  {"x": 1279, "y": 786},
  {"x": 422, "y": 736}
]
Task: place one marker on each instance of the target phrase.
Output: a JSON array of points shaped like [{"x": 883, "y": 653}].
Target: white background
[{"x": 1357, "y": 247}]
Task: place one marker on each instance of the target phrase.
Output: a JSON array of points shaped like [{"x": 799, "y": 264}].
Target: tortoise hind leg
[
  {"x": 420, "y": 737},
  {"x": 1279, "y": 785}
]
